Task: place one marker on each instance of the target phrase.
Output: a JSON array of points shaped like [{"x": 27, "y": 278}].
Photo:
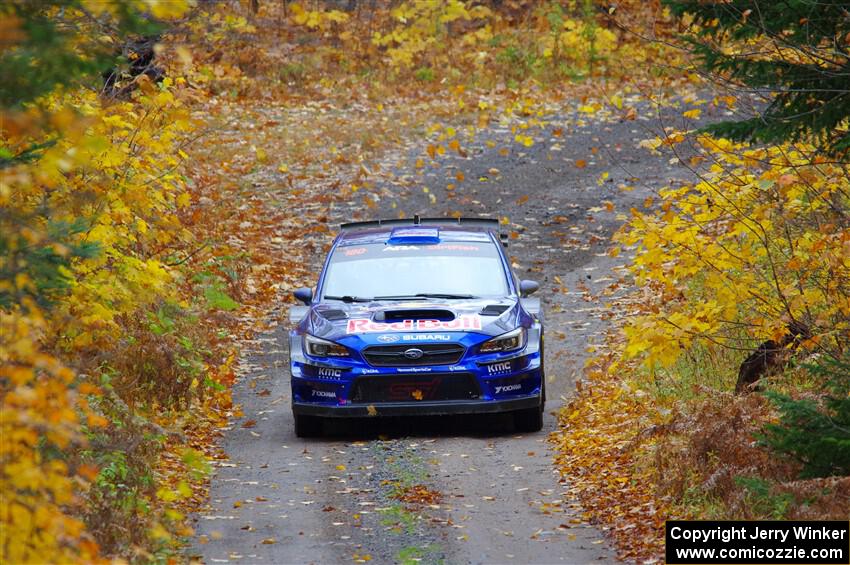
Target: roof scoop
[
  {"x": 414, "y": 236},
  {"x": 398, "y": 315}
]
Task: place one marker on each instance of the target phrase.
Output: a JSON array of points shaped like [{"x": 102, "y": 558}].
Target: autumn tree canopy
[{"x": 794, "y": 54}]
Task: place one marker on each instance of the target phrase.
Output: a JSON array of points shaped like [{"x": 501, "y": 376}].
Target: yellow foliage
[
  {"x": 160, "y": 9},
  {"x": 117, "y": 173},
  {"x": 113, "y": 166},
  {"x": 422, "y": 28},
  {"x": 581, "y": 39},
  {"x": 37, "y": 412},
  {"x": 316, "y": 19},
  {"x": 756, "y": 244}
]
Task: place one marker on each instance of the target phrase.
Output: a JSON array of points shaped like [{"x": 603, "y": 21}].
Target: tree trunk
[{"x": 769, "y": 356}]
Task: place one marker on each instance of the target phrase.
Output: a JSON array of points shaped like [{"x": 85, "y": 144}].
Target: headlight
[
  {"x": 510, "y": 341},
  {"x": 323, "y": 348}
]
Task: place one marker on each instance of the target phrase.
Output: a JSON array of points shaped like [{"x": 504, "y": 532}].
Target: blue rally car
[{"x": 417, "y": 317}]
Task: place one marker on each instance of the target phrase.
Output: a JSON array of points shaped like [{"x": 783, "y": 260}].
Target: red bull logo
[{"x": 461, "y": 323}]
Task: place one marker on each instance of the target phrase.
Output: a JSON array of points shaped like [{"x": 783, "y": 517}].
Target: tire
[
  {"x": 543, "y": 394},
  {"x": 308, "y": 426},
  {"x": 529, "y": 420},
  {"x": 542, "y": 373}
]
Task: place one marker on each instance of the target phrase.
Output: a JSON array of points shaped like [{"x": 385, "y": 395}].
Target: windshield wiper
[
  {"x": 427, "y": 295},
  {"x": 348, "y": 298}
]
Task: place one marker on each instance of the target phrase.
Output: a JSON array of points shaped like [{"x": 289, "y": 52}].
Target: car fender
[
  {"x": 531, "y": 305},
  {"x": 297, "y": 313}
]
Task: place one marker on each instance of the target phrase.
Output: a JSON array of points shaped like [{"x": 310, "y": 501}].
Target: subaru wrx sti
[{"x": 417, "y": 317}]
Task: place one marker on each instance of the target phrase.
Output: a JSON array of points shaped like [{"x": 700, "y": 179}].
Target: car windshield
[{"x": 443, "y": 270}]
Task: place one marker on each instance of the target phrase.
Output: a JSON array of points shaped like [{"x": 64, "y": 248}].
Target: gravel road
[{"x": 485, "y": 493}]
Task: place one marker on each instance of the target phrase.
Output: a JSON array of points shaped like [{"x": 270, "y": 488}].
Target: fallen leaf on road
[{"x": 418, "y": 494}]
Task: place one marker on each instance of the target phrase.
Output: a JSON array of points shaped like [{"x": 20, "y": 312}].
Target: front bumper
[
  {"x": 420, "y": 408},
  {"x": 480, "y": 384}
]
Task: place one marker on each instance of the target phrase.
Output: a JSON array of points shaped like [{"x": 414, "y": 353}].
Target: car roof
[
  {"x": 384, "y": 233},
  {"x": 418, "y": 230}
]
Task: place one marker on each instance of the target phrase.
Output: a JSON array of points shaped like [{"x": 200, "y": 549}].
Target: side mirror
[
  {"x": 304, "y": 294},
  {"x": 527, "y": 288}
]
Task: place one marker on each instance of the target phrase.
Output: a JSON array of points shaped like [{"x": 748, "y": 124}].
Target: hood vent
[
  {"x": 333, "y": 314},
  {"x": 390, "y": 316},
  {"x": 494, "y": 309}
]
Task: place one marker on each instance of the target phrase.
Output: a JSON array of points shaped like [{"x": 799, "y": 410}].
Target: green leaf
[{"x": 217, "y": 299}]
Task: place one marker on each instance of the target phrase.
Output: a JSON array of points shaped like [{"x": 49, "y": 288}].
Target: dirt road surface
[{"x": 486, "y": 494}]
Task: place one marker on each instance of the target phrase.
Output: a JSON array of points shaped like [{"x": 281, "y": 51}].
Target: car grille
[
  {"x": 432, "y": 354},
  {"x": 408, "y": 388}
]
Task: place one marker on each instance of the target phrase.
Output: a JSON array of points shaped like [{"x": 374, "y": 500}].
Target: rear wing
[{"x": 491, "y": 223}]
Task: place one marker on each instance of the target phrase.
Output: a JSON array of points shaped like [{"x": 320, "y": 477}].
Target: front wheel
[
  {"x": 308, "y": 426},
  {"x": 529, "y": 419}
]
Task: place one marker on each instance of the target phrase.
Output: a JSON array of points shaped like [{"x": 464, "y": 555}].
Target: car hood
[{"x": 338, "y": 320}]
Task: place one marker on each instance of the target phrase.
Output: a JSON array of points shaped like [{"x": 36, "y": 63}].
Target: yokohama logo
[{"x": 363, "y": 325}]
